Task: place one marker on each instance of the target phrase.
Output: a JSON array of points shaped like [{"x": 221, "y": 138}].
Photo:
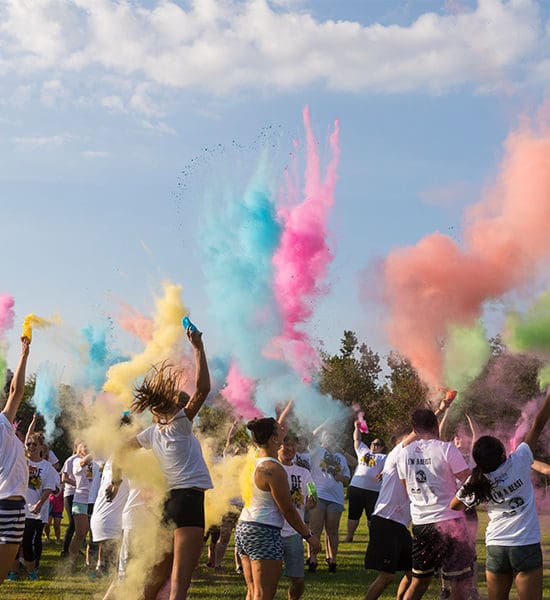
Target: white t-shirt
[
  {"x": 178, "y": 452},
  {"x": 14, "y": 472},
  {"x": 96, "y": 482},
  {"x": 52, "y": 458},
  {"x": 303, "y": 459},
  {"x": 369, "y": 465},
  {"x": 68, "y": 470},
  {"x": 41, "y": 476},
  {"x": 393, "y": 502},
  {"x": 106, "y": 520},
  {"x": 429, "y": 468},
  {"x": 513, "y": 518},
  {"x": 84, "y": 476},
  {"x": 135, "y": 508},
  {"x": 324, "y": 465},
  {"x": 298, "y": 478}
]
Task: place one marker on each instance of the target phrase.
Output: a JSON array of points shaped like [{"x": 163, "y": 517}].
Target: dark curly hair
[{"x": 262, "y": 429}]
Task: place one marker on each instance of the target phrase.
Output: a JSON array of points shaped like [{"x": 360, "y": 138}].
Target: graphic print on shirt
[
  {"x": 330, "y": 464},
  {"x": 296, "y": 490},
  {"x": 35, "y": 480},
  {"x": 499, "y": 493},
  {"x": 300, "y": 461},
  {"x": 89, "y": 471},
  {"x": 368, "y": 459}
]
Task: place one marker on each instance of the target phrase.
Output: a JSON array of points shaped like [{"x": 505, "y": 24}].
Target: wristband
[{"x": 116, "y": 481}]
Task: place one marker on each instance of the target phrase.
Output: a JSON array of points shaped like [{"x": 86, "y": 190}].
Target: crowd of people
[{"x": 419, "y": 500}]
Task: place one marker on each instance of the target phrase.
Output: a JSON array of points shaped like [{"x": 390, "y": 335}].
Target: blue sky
[{"x": 105, "y": 103}]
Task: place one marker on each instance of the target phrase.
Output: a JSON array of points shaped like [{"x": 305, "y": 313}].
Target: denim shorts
[
  {"x": 293, "y": 548},
  {"x": 80, "y": 508},
  {"x": 258, "y": 541},
  {"x": 513, "y": 559},
  {"x": 329, "y": 506}
]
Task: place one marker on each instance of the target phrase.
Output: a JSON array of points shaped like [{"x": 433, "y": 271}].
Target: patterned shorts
[
  {"x": 12, "y": 521},
  {"x": 258, "y": 541}
]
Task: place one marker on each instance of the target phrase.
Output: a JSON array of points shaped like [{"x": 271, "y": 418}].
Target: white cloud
[
  {"x": 221, "y": 46},
  {"x": 113, "y": 103},
  {"x": 95, "y": 154},
  {"x": 52, "y": 91},
  {"x": 42, "y": 141}
]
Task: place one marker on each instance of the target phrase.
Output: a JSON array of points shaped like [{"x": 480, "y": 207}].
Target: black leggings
[
  {"x": 32, "y": 540},
  {"x": 68, "y": 501}
]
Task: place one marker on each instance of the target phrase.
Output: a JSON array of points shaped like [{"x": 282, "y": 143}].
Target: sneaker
[
  {"x": 312, "y": 567},
  {"x": 209, "y": 564},
  {"x": 444, "y": 594},
  {"x": 33, "y": 575},
  {"x": 239, "y": 570},
  {"x": 12, "y": 576},
  {"x": 331, "y": 566}
]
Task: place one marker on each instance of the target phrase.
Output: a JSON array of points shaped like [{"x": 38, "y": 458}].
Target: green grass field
[{"x": 350, "y": 582}]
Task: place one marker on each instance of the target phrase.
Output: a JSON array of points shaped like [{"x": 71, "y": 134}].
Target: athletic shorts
[
  {"x": 390, "y": 546},
  {"x": 293, "y": 548},
  {"x": 184, "y": 508},
  {"x": 329, "y": 506},
  {"x": 513, "y": 559},
  {"x": 258, "y": 541},
  {"x": 443, "y": 547},
  {"x": 361, "y": 500},
  {"x": 12, "y": 521}
]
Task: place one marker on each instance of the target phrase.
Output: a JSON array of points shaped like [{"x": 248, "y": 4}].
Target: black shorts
[
  {"x": 184, "y": 508},
  {"x": 443, "y": 547},
  {"x": 390, "y": 546},
  {"x": 359, "y": 500}
]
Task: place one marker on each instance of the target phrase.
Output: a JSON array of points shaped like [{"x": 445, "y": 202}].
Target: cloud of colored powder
[
  {"x": 46, "y": 397},
  {"x": 437, "y": 283},
  {"x": 167, "y": 332},
  {"x": 303, "y": 256}
]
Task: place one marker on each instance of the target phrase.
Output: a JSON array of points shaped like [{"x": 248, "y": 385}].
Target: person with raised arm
[
  {"x": 180, "y": 457},
  {"x": 14, "y": 472},
  {"x": 258, "y": 534},
  {"x": 514, "y": 554}
]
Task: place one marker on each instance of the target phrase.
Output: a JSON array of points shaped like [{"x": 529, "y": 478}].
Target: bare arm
[
  {"x": 202, "y": 376},
  {"x": 112, "y": 489},
  {"x": 473, "y": 428},
  {"x": 17, "y": 387},
  {"x": 357, "y": 435},
  {"x": 541, "y": 467},
  {"x": 277, "y": 479},
  {"x": 31, "y": 428},
  {"x": 456, "y": 504},
  {"x": 35, "y": 508},
  {"x": 540, "y": 421},
  {"x": 461, "y": 476},
  {"x": 443, "y": 407}
]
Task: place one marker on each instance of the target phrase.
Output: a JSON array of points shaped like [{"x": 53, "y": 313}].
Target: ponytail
[{"x": 477, "y": 486}]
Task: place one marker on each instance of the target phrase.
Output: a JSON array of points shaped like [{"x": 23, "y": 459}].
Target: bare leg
[
  {"x": 247, "y": 572},
  {"x": 159, "y": 574},
  {"x": 266, "y": 575},
  {"x": 417, "y": 588},
  {"x": 403, "y": 586},
  {"x": 498, "y": 585},
  {"x": 332, "y": 523},
  {"x": 225, "y": 534},
  {"x": 187, "y": 551},
  {"x": 529, "y": 584},
  {"x": 296, "y": 588},
  {"x": 352, "y": 526},
  {"x": 379, "y": 585},
  {"x": 316, "y": 522},
  {"x": 81, "y": 526},
  {"x": 8, "y": 553}
]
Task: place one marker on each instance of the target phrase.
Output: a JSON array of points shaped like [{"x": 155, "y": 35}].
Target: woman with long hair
[
  {"x": 513, "y": 534},
  {"x": 258, "y": 533},
  {"x": 180, "y": 457},
  {"x": 14, "y": 472}
]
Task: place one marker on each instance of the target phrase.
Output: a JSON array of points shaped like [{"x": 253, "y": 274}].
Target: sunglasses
[{"x": 31, "y": 444}]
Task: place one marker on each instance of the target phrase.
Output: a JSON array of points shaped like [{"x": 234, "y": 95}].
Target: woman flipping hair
[
  {"x": 258, "y": 534},
  {"x": 180, "y": 457},
  {"x": 14, "y": 473},
  {"x": 513, "y": 534}
]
